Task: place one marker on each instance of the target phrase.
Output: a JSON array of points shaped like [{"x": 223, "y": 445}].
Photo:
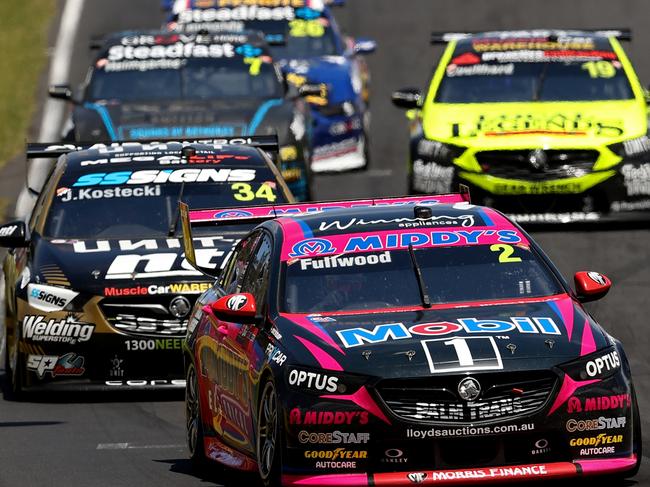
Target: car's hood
[
  {"x": 535, "y": 124},
  {"x": 530, "y": 335},
  {"x": 337, "y": 72},
  {"x": 182, "y": 118},
  {"x": 103, "y": 267}
]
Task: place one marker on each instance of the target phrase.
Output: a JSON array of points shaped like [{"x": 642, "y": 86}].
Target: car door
[{"x": 239, "y": 350}]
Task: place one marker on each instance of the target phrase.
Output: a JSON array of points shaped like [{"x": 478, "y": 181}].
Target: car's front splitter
[{"x": 485, "y": 475}]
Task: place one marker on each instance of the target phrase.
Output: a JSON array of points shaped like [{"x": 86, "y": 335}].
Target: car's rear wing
[
  {"x": 256, "y": 214},
  {"x": 39, "y": 150},
  {"x": 624, "y": 34}
]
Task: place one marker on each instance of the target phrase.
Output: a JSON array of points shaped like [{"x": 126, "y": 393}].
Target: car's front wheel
[
  {"x": 194, "y": 426},
  {"x": 269, "y": 437}
]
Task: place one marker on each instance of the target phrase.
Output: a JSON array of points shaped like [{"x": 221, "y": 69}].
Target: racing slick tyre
[
  {"x": 193, "y": 422},
  {"x": 13, "y": 375},
  {"x": 269, "y": 437}
]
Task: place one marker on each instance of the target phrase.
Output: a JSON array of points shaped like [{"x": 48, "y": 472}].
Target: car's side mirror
[
  {"x": 14, "y": 234},
  {"x": 408, "y": 98},
  {"x": 60, "y": 92},
  {"x": 237, "y": 308},
  {"x": 591, "y": 286},
  {"x": 363, "y": 45}
]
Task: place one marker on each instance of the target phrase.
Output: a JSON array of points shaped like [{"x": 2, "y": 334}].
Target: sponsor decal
[
  {"x": 184, "y": 131},
  {"x": 275, "y": 355},
  {"x": 607, "y": 363},
  {"x": 300, "y": 418},
  {"x": 163, "y": 176},
  {"x": 87, "y": 247},
  {"x": 154, "y": 344},
  {"x": 597, "y": 278},
  {"x": 601, "y": 423},
  {"x": 342, "y": 261},
  {"x": 433, "y": 221},
  {"x": 66, "y": 365},
  {"x": 67, "y": 330},
  {"x": 557, "y": 123},
  {"x": 241, "y": 13},
  {"x": 468, "y": 431},
  {"x": 525, "y": 40},
  {"x": 600, "y": 403},
  {"x": 314, "y": 381},
  {"x": 99, "y": 194},
  {"x": 8, "y": 231},
  {"x": 137, "y": 157},
  {"x": 49, "y": 298},
  {"x": 469, "y": 389},
  {"x": 618, "y": 206},
  {"x": 470, "y": 411},
  {"x": 394, "y": 455},
  {"x": 417, "y": 477},
  {"x": 145, "y": 383},
  {"x": 354, "y": 337},
  {"x": 388, "y": 241},
  {"x": 336, "y": 149},
  {"x": 576, "y": 216},
  {"x": 237, "y": 302},
  {"x": 180, "y": 288},
  {"x": 322, "y": 319},
  {"x": 479, "y": 473},
  {"x": 603, "y": 450},
  {"x": 636, "y": 179},
  {"x": 601, "y": 439},
  {"x": 481, "y": 70},
  {"x": 541, "y": 447},
  {"x": 333, "y": 438},
  {"x": 540, "y": 56},
  {"x": 178, "y": 50},
  {"x": 338, "y": 453},
  {"x": 116, "y": 369},
  {"x": 429, "y": 177}
]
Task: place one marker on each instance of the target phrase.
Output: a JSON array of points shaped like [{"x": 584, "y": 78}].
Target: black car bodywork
[
  {"x": 387, "y": 377},
  {"x": 98, "y": 290}
]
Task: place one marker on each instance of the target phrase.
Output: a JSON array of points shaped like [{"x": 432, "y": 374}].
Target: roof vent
[{"x": 423, "y": 212}]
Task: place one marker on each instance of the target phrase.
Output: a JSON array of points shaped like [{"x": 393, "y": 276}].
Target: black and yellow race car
[{"x": 98, "y": 290}]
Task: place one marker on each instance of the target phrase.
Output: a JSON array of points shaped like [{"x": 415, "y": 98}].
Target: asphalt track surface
[{"x": 132, "y": 440}]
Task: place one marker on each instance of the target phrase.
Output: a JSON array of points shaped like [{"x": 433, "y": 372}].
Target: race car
[
  {"x": 97, "y": 289},
  {"x": 549, "y": 126},
  {"x": 161, "y": 85},
  {"x": 401, "y": 341},
  {"x": 306, "y": 39}
]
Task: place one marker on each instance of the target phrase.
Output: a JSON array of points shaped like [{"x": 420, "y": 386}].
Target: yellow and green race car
[{"x": 549, "y": 126}]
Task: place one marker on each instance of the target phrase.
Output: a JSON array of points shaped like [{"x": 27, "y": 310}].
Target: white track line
[{"x": 53, "y": 111}]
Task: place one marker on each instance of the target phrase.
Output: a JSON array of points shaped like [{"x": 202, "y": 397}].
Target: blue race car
[{"x": 309, "y": 46}]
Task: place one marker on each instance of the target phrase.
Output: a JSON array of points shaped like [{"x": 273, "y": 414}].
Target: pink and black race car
[{"x": 400, "y": 341}]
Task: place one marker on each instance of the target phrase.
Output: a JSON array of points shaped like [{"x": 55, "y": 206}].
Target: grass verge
[{"x": 23, "y": 42}]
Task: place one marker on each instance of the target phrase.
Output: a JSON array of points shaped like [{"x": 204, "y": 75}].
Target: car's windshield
[
  {"x": 118, "y": 205},
  {"x": 194, "y": 79},
  {"x": 524, "y": 71},
  {"x": 377, "y": 280},
  {"x": 301, "y": 39}
]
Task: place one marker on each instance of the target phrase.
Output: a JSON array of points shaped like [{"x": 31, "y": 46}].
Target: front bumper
[
  {"x": 620, "y": 193},
  {"x": 92, "y": 350},
  {"x": 360, "y": 440},
  {"x": 546, "y": 471}
]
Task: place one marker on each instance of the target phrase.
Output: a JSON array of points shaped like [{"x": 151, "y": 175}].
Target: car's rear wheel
[
  {"x": 269, "y": 437},
  {"x": 193, "y": 423}
]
